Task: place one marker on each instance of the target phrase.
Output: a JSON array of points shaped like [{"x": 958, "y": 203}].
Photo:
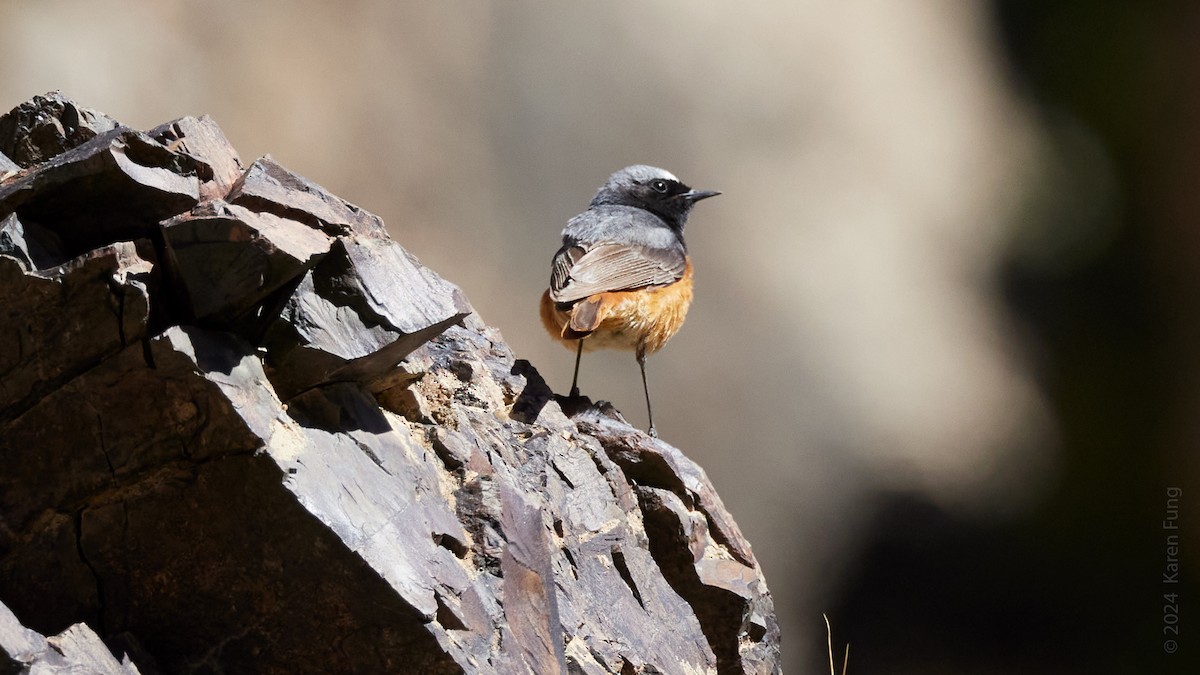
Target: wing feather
[{"x": 582, "y": 270}]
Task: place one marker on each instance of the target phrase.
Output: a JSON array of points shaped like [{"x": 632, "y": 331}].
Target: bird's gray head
[{"x": 653, "y": 189}]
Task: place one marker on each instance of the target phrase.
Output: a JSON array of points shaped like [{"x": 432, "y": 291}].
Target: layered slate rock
[
  {"x": 76, "y": 650},
  {"x": 244, "y": 431}
]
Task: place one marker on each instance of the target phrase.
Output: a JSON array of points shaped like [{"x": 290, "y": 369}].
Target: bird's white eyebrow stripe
[{"x": 645, "y": 173}]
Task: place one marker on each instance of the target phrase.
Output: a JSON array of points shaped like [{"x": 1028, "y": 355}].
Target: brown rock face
[{"x": 243, "y": 431}]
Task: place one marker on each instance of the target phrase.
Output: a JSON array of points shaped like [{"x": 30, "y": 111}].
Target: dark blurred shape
[{"x": 1103, "y": 278}]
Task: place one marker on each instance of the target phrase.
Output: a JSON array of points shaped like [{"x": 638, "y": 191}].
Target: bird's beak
[{"x": 696, "y": 195}]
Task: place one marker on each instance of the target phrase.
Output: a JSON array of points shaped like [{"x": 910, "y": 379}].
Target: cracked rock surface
[{"x": 244, "y": 431}]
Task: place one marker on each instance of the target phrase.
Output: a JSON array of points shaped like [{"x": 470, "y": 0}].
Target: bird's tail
[{"x": 586, "y": 316}]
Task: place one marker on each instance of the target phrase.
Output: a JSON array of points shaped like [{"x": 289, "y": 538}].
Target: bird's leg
[
  {"x": 575, "y": 378},
  {"x": 641, "y": 359}
]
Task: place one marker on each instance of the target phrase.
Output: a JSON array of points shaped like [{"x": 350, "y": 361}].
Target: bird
[{"x": 623, "y": 277}]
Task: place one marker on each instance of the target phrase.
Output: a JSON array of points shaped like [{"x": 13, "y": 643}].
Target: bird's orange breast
[{"x": 641, "y": 320}]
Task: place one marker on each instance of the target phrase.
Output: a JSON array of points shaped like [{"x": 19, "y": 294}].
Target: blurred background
[{"x": 943, "y": 361}]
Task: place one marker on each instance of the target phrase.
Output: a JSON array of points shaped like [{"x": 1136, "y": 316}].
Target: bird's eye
[{"x": 659, "y": 186}]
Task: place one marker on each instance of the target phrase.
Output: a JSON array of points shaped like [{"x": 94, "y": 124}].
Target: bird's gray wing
[{"x": 581, "y": 270}]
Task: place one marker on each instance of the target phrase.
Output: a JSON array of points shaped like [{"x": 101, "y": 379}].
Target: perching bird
[{"x": 623, "y": 278}]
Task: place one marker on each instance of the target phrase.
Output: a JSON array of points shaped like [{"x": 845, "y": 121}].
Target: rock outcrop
[{"x": 244, "y": 431}]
